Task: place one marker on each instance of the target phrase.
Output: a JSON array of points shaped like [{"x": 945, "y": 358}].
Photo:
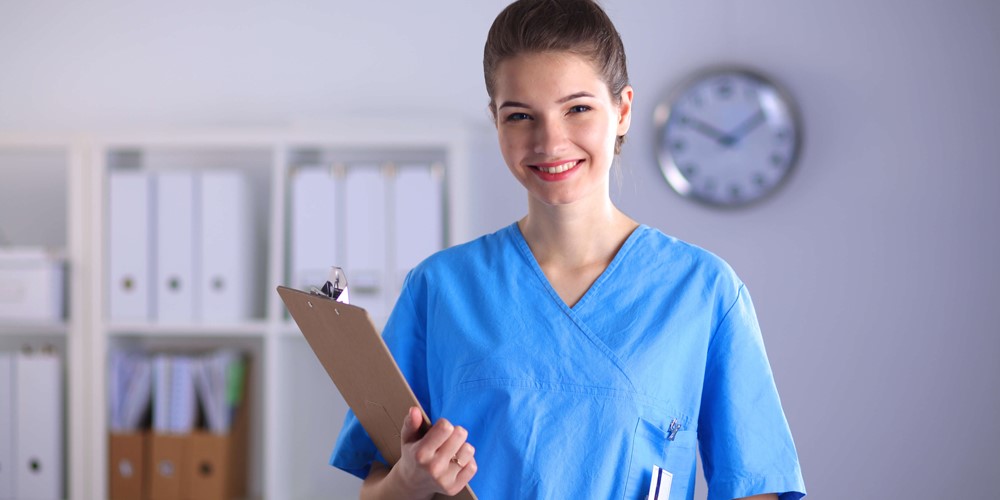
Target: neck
[{"x": 576, "y": 234}]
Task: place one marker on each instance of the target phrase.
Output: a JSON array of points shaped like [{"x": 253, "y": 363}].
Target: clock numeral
[
  {"x": 689, "y": 170},
  {"x": 734, "y": 191},
  {"x": 677, "y": 145},
  {"x": 782, "y": 135},
  {"x": 777, "y": 160},
  {"x": 724, "y": 90},
  {"x": 759, "y": 180},
  {"x": 709, "y": 186}
]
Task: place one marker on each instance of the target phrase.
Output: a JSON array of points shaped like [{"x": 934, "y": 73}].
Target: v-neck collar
[{"x": 515, "y": 234}]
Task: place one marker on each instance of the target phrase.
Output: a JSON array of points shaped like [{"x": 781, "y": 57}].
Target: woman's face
[{"x": 557, "y": 124}]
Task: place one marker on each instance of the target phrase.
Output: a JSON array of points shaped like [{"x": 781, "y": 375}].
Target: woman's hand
[{"x": 439, "y": 462}]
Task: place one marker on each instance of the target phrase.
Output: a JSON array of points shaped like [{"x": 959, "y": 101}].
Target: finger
[
  {"x": 464, "y": 455},
  {"x": 411, "y": 425},
  {"x": 468, "y": 471},
  {"x": 449, "y": 449},
  {"x": 433, "y": 439}
]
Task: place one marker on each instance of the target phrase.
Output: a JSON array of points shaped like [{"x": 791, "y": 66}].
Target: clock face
[{"x": 727, "y": 138}]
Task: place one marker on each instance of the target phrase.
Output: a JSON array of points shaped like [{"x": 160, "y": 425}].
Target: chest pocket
[{"x": 650, "y": 447}]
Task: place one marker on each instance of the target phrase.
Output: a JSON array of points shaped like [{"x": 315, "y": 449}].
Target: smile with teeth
[{"x": 557, "y": 169}]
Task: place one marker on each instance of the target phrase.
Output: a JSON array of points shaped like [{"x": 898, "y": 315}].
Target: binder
[
  {"x": 226, "y": 243},
  {"x": 127, "y": 465},
  {"x": 314, "y": 225},
  {"x": 418, "y": 229},
  {"x": 357, "y": 360},
  {"x": 6, "y": 426},
  {"x": 162, "y": 379},
  {"x": 166, "y": 464},
  {"x": 216, "y": 463},
  {"x": 129, "y": 245},
  {"x": 175, "y": 247},
  {"x": 183, "y": 401},
  {"x": 365, "y": 238},
  {"x": 38, "y": 434}
]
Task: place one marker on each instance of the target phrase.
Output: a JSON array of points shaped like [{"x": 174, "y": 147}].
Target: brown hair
[{"x": 577, "y": 26}]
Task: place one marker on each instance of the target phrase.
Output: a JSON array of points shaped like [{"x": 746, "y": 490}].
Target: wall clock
[{"x": 727, "y": 137}]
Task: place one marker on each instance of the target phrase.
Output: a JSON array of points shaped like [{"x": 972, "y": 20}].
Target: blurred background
[{"x": 873, "y": 269}]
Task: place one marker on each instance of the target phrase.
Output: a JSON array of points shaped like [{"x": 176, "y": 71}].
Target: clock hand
[
  {"x": 746, "y": 127},
  {"x": 706, "y": 129}
]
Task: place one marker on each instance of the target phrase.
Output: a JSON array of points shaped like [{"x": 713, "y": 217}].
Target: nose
[{"x": 549, "y": 137}]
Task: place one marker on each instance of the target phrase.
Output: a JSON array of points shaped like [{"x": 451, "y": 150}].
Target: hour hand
[
  {"x": 748, "y": 125},
  {"x": 705, "y": 129}
]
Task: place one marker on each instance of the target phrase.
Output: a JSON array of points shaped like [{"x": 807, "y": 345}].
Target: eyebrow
[{"x": 563, "y": 100}]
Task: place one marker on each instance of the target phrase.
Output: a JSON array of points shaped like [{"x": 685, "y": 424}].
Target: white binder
[
  {"x": 175, "y": 247},
  {"x": 226, "y": 247},
  {"x": 314, "y": 225},
  {"x": 183, "y": 399},
  {"x": 129, "y": 244},
  {"x": 418, "y": 216},
  {"x": 6, "y": 426},
  {"x": 365, "y": 238},
  {"x": 162, "y": 379},
  {"x": 38, "y": 434}
]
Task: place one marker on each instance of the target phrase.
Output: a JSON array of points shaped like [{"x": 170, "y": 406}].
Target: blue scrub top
[{"x": 661, "y": 355}]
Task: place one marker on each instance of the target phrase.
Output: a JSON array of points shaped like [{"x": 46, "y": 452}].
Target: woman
[{"x": 568, "y": 354}]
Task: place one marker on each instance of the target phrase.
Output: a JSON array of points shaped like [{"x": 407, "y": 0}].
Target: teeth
[{"x": 558, "y": 169}]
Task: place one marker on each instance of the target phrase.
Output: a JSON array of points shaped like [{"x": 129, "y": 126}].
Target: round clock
[{"x": 727, "y": 137}]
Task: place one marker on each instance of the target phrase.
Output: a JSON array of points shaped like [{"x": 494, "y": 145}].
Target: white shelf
[
  {"x": 34, "y": 329},
  {"x": 252, "y": 329},
  {"x": 296, "y": 409}
]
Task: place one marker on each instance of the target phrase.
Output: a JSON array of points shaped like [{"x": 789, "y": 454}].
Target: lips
[{"x": 556, "y": 168}]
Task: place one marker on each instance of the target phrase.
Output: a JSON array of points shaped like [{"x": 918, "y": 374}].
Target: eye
[
  {"x": 516, "y": 117},
  {"x": 580, "y": 108}
]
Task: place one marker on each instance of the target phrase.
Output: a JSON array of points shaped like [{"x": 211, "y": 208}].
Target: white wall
[{"x": 873, "y": 270}]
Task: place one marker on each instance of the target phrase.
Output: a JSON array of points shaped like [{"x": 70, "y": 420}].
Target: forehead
[{"x": 540, "y": 73}]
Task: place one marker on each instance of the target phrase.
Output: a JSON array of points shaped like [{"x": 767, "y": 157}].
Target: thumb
[{"x": 411, "y": 426}]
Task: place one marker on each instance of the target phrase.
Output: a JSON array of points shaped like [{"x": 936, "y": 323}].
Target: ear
[{"x": 625, "y": 110}]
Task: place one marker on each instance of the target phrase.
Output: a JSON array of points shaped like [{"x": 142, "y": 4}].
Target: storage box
[
  {"x": 32, "y": 285},
  {"x": 127, "y": 454}
]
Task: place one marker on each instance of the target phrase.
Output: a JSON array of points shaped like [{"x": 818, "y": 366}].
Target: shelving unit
[
  {"x": 296, "y": 410},
  {"x": 48, "y": 208}
]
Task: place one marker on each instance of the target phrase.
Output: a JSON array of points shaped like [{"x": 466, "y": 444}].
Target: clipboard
[{"x": 351, "y": 350}]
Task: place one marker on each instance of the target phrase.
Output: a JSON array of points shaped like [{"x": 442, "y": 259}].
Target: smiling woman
[
  {"x": 557, "y": 125},
  {"x": 575, "y": 339}
]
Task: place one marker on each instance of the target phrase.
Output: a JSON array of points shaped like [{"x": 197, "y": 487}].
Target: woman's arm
[
  {"x": 765, "y": 496},
  {"x": 441, "y": 461}
]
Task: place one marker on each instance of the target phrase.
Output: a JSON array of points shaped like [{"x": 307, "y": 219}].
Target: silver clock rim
[{"x": 661, "y": 116}]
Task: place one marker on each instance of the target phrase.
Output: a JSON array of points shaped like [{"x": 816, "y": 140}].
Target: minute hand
[
  {"x": 746, "y": 127},
  {"x": 706, "y": 129}
]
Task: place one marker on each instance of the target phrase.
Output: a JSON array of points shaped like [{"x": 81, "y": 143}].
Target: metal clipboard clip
[{"x": 335, "y": 287}]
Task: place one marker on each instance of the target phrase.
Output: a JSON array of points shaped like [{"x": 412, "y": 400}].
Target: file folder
[
  {"x": 166, "y": 462},
  {"x": 129, "y": 245},
  {"x": 38, "y": 419},
  {"x": 6, "y": 425},
  {"x": 128, "y": 468},
  {"x": 162, "y": 378},
  {"x": 418, "y": 218},
  {"x": 216, "y": 463},
  {"x": 357, "y": 360},
  {"x": 226, "y": 243},
  {"x": 365, "y": 238},
  {"x": 314, "y": 225},
  {"x": 175, "y": 247}
]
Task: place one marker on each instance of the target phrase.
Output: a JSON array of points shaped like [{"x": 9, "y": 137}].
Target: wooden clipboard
[{"x": 361, "y": 366}]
